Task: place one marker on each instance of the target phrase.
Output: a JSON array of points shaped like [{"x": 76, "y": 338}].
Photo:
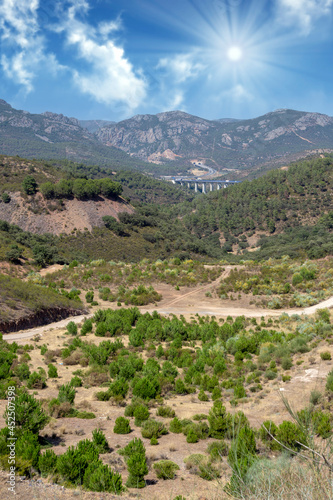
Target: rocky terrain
[
  {"x": 241, "y": 144},
  {"x": 166, "y": 143},
  {"x": 50, "y": 135}
]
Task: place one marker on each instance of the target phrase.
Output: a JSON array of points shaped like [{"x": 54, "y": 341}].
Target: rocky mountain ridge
[
  {"x": 181, "y": 137},
  {"x": 167, "y": 142},
  {"x": 55, "y": 136}
]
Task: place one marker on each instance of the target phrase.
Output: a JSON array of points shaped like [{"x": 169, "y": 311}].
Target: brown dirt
[
  {"x": 306, "y": 376},
  {"x": 76, "y": 214},
  {"x": 267, "y": 404}
]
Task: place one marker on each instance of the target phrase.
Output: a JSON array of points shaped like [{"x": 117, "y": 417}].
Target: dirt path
[{"x": 179, "y": 306}]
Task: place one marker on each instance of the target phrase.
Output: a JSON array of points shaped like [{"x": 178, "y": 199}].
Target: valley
[{"x": 148, "y": 330}]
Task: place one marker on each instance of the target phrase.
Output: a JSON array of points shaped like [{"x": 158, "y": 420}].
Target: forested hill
[
  {"x": 282, "y": 199},
  {"x": 283, "y": 212}
]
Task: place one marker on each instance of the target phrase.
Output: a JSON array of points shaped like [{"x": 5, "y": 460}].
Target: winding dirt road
[{"x": 173, "y": 308}]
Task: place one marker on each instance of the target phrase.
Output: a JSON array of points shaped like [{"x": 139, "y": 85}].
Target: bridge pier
[
  {"x": 203, "y": 187},
  {"x": 189, "y": 185},
  {"x": 196, "y": 187},
  {"x": 211, "y": 186},
  {"x": 218, "y": 187}
]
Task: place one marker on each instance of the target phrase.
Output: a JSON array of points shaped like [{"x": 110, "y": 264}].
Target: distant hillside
[
  {"x": 226, "y": 144},
  {"x": 166, "y": 143},
  {"x": 288, "y": 205},
  {"x": 49, "y": 135},
  {"x": 286, "y": 199}
]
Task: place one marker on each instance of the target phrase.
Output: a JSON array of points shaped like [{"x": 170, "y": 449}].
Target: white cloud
[
  {"x": 110, "y": 77},
  {"x": 182, "y": 67},
  {"x": 23, "y": 46},
  {"x": 304, "y": 13},
  {"x": 176, "y": 100},
  {"x": 237, "y": 93}
]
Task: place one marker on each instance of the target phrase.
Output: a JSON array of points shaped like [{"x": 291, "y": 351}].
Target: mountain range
[
  {"x": 55, "y": 136},
  {"x": 166, "y": 143}
]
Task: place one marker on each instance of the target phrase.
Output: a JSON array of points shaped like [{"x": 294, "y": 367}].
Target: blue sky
[{"x": 112, "y": 59}]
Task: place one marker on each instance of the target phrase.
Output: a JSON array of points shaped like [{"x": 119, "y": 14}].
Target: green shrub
[
  {"x": 5, "y": 197},
  {"x": 322, "y": 424},
  {"x": 239, "y": 392},
  {"x": 135, "y": 456},
  {"x": 90, "y": 297},
  {"x": 88, "y": 415},
  {"x": 141, "y": 413},
  {"x": 154, "y": 441},
  {"x": 218, "y": 422},
  {"x": 216, "y": 394},
  {"x": 146, "y": 388},
  {"x": 22, "y": 371},
  {"x": 72, "y": 328},
  {"x": 86, "y": 327},
  {"x": 267, "y": 432},
  {"x": 43, "y": 349},
  {"x": 119, "y": 388},
  {"x": 27, "y": 447},
  {"x": 76, "y": 382},
  {"x": 134, "y": 446},
  {"x": 129, "y": 410},
  {"x": 241, "y": 456},
  {"x": 122, "y": 426},
  {"x": 180, "y": 387},
  {"x": 103, "y": 395},
  {"x": 176, "y": 426},
  {"x": 36, "y": 381},
  {"x": 137, "y": 468},
  {"x": 29, "y": 185},
  {"x": 286, "y": 363},
  {"x": 100, "y": 441},
  {"x": 29, "y": 415},
  {"x": 217, "y": 450},
  {"x": 296, "y": 279},
  {"x": 52, "y": 371},
  {"x": 290, "y": 435},
  {"x": 200, "y": 416},
  {"x": 73, "y": 463},
  {"x": 47, "y": 463},
  {"x": 165, "y": 469},
  {"x": 66, "y": 394},
  {"x": 192, "y": 436},
  {"x": 202, "y": 396},
  {"x": 201, "y": 429},
  {"x": 325, "y": 356},
  {"x": 99, "y": 477},
  {"x": 153, "y": 428},
  {"x": 165, "y": 411},
  {"x": 270, "y": 375}
]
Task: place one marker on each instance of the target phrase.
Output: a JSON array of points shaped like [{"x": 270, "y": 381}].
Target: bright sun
[{"x": 234, "y": 53}]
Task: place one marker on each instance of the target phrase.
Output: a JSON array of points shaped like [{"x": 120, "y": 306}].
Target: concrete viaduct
[{"x": 204, "y": 183}]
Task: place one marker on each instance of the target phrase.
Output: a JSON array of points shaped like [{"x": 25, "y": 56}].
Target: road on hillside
[{"x": 172, "y": 308}]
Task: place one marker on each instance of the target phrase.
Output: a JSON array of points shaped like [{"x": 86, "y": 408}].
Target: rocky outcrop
[
  {"x": 239, "y": 143},
  {"x": 38, "y": 318}
]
